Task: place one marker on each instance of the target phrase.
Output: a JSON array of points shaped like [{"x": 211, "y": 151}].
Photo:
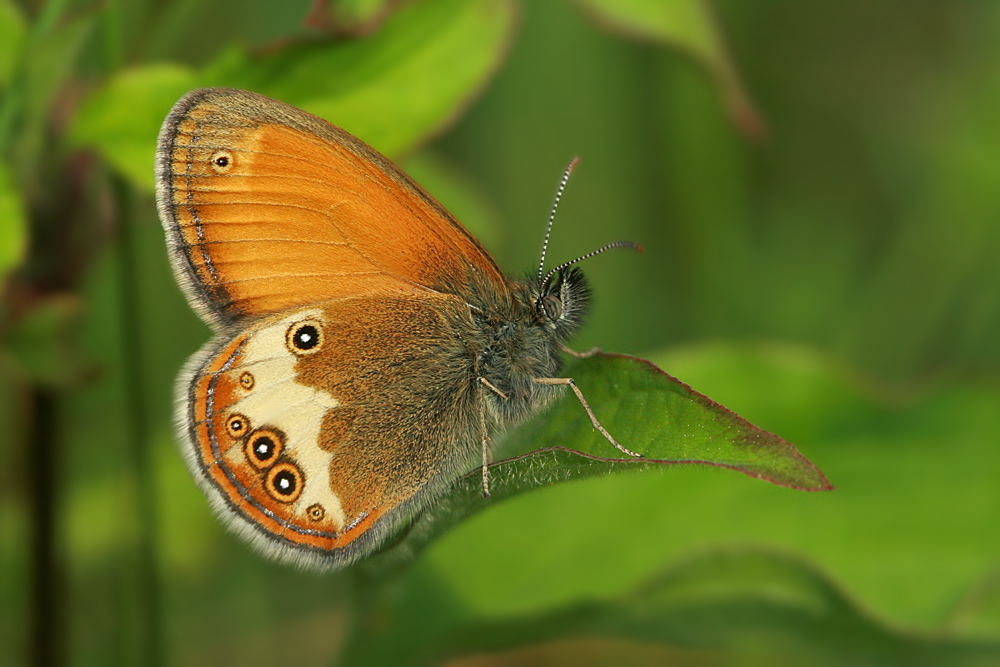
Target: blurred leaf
[
  {"x": 978, "y": 614},
  {"x": 122, "y": 120},
  {"x": 689, "y": 27},
  {"x": 43, "y": 342},
  {"x": 933, "y": 293},
  {"x": 28, "y": 110},
  {"x": 647, "y": 411},
  {"x": 456, "y": 193},
  {"x": 393, "y": 90},
  {"x": 351, "y": 17},
  {"x": 12, "y": 34},
  {"x": 13, "y": 225},
  {"x": 399, "y": 86},
  {"x": 750, "y": 601},
  {"x": 187, "y": 31}
]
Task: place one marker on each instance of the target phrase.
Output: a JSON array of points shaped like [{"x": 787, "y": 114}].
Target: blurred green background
[{"x": 816, "y": 186}]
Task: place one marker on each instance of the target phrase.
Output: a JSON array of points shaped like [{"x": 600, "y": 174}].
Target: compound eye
[{"x": 552, "y": 307}]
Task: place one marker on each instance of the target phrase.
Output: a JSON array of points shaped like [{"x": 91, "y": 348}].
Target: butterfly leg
[
  {"x": 482, "y": 420},
  {"x": 590, "y": 413},
  {"x": 581, "y": 355}
]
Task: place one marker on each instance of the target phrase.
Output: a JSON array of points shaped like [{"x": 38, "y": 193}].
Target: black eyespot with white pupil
[
  {"x": 263, "y": 447},
  {"x": 237, "y": 426},
  {"x": 284, "y": 482},
  {"x": 552, "y": 307},
  {"x": 305, "y": 337}
]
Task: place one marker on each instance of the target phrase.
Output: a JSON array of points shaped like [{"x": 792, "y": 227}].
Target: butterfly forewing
[{"x": 268, "y": 208}]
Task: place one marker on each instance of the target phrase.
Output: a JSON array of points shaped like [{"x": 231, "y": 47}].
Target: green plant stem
[{"x": 151, "y": 642}]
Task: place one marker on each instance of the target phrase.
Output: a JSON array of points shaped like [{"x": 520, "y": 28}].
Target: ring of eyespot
[
  {"x": 305, "y": 337},
  {"x": 263, "y": 448},
  {"x": 284, "y": 482}
]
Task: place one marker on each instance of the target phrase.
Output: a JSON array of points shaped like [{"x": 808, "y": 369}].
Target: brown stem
[{"x": 45, "y": 625}]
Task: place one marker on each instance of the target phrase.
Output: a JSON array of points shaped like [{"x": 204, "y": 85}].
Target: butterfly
[{"x": 367, "y": 347}]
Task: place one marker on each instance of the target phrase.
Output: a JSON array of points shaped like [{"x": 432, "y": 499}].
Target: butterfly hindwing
[
  {"x": 267, "y": 208},
  {"x": 315, "y": 429}
]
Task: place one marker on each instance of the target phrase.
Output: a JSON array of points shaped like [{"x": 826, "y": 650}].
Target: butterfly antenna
[
  {"x": 552, "y": 216},
  {"x": 616, "y": 244}
]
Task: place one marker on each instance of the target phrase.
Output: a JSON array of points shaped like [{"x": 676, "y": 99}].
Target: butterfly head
[
  {"x": 563, "y": 295},
  {"x": 563, "y": 301}
]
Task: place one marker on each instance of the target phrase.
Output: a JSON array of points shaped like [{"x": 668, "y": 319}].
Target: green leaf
[
  {"x": 456, "y": 193},
  {"x": 689, "y": 27},
  {"x": 393, "y": 89},
  {"x": 352, "y": 17},
  {"x": 665, "y": 421},
  {"x": 44, "y": 344},
  {"x": 122, "y": 120},
  {"x": 13, "y": 225},
  {"x": 402, "y": 84},
  {"x": 646, "y": 410},
  {"x": 740, "y": 600},
  {"x": 26, "y": 110},
  {"x": 905, "y": 545},
  {"x": 12, "y": 33},
  {"x": 978, "y": 614},
  {"x": 908, "y": 543}
]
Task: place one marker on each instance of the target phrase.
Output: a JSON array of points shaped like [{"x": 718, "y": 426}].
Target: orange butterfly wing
[{"x": 267, "y": 207}]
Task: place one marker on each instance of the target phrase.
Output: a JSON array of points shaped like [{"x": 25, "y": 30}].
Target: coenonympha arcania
[{"x": 367, "y": 346}]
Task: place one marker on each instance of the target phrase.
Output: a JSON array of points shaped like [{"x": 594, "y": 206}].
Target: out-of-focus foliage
[
  {"x": 420, "y": 68},
  {"x": 689, "y": 27},
  {"x": 12, "y": 29},
  {"x": 351, "y": 17},
  {"x": 756, "y": 603},
  {"x": 832, "y": 279},
  {"x": 13, "y": 235}
]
